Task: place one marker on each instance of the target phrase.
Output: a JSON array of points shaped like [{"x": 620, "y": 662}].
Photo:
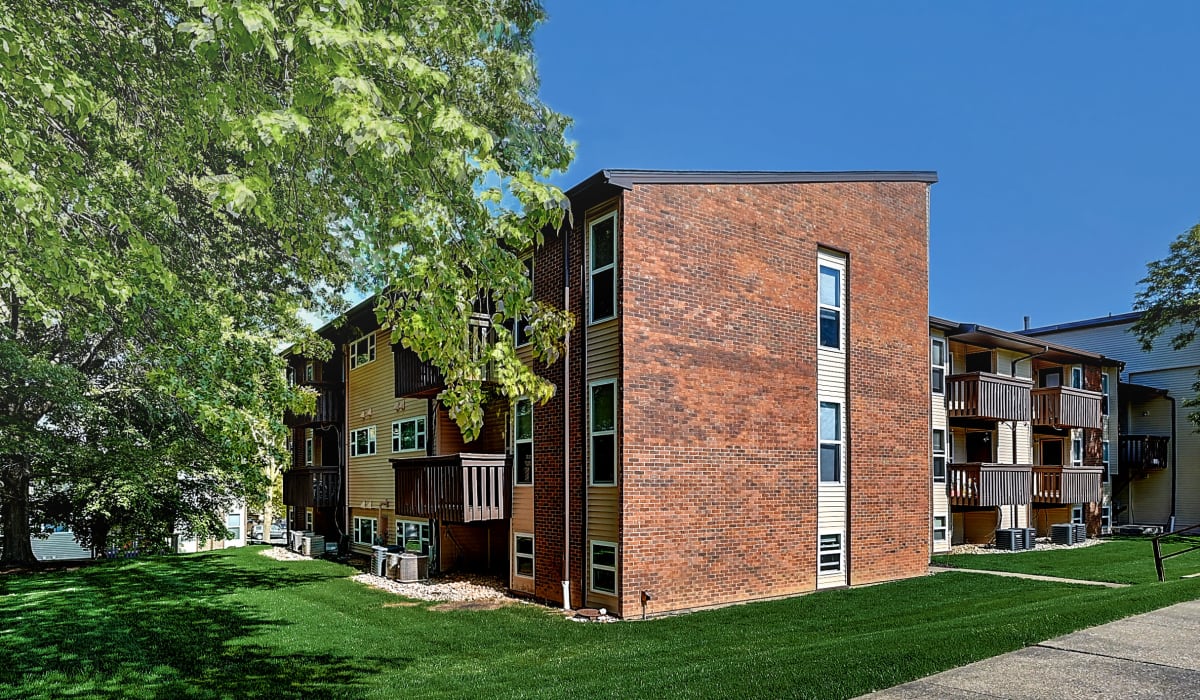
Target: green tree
[
  {"x": 179, "y": 179},
  {"x": 1169, "y": 299}
]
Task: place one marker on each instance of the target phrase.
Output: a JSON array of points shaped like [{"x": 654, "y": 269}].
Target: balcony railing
[
  {"x": 979, "y": 484},
  {"x": 330, "y": 405},
  {"x": 1144, "y": 452},
  {"x": 1065, "y": 407},
  {"x": 416, "y": 378},
  {"x": 312, "y": 487},
  {"x": 1066, "y": 484},
  {"x": 457, "y": 488},
  {"x": 987, "y": 396}
]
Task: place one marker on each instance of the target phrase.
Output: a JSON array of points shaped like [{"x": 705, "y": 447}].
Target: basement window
[
  {"x": 523, "y": 553},
  {"x": 364, "y": 531},
  {"x": 939, "y": 528},
  {"x": 413, "y": 536},
  {"x": 830, "y": 553},
  {"x": 604, "y": 567}
]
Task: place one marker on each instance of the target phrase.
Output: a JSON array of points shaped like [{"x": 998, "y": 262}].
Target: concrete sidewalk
[{"x": 1154, "y": 655}]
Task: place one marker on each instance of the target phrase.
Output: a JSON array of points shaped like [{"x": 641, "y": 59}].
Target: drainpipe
[
  {"x": 566, "y": 570},
  {"x": 345, "y": 447},
  {"x": 1174, "y": 465},
  {"x": 1013, "y": 425}
]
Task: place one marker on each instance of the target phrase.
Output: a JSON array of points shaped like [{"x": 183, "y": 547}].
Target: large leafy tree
[
  {"x": 179, "y": 179},
  {"x": 1169, "y": 299}
]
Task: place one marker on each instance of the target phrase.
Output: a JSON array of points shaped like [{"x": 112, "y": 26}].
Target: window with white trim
[
  {"x": 408, "y": 434},
  {"x": 364, "y": 530},
  {"x": 362, "y": 441},
  {"x": 233, "y": 523},
  {"x": 362, "y": 351},
  {"x": 939, "y": 528},
  {"x": 830, "y": 307},
  {"x": 1077, "y": 377},
  {"x": 1076, "y": 451},
  {"x": 523, "y": 441},
  {"x": 602, "y": 237},
  {"x": 308, "y": 519},
  {"x": 604, "y": 567},
  {"x": 829, "y": 551},
  {"x": 310, "y": 371},
  {"x": 1106, "y": 519},
  {"x": 1104, "y": 393},
  {"x": 523, "y": 555},
  {"x": 1077, "y": 515},
  {"x": 1104, "y": 459},
  {"x": 308, "y": 450},
  {"x": 939, "y": 454},
  {"x": 413, "y": 536},
  {"x": 830, "y": 446},
  {"x": 937, "y": 362},
  {"x": 602, "y": 412}
]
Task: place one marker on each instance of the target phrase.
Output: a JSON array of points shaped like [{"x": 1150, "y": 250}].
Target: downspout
[
  {"x": 345, "y": 448},
  {"x": 1174, "y": 465},
  {"x": 1013, "y": 426},
  {"x": 566, "y": 570}
]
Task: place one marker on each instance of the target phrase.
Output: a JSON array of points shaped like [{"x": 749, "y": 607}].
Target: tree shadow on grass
[{"x": 165, "y": 627}]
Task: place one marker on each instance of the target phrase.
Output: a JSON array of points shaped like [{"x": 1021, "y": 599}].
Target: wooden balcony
[
  {"x": 1144, "y": 453},
  {"x": 986, "y": 396},
  {"x": 416, "y": 378},
  {"x": 312, "y": 487},
  {"x": 1064, "y": 407},
  {"x": 980, "y": 484},
  {"x": 331, "y": 399},
  {"x": 1060, "y": 485},
  {"x": 456, "y": 488}
]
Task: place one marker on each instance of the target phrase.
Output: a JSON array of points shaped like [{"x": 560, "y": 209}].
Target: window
[
  {"x": 939, "y": 528},
  {"x": 364, "y": 530},
  {"x": 604, "y": 567},
  {"x": 831, "y": 441},
  {"x": 1104, "y": 460},
  {"x": 939, "y": 455},
  {"x": 413, "y": 536},
  {"x": 1076, "y": 451},
  {"x": 362, "y": 351},
  {"x": 1104, "y": 397},
  {"x": 1077, "y": 377},
  {"x": 1049, "y": 378},
  {"x": 308, "y": 519},
  {"x": 521, "y": 325},
  {"x": 830, "y": 552},
  {"x": 603, "y": 237},
  {"x": 310, "y": 372},
  {"x": 830, "y": 307},
  {"x": 408, "y": 435},
  {"x": 523, "y": 441},
  {"x": 233, "y": 523},
  {"x": 523, "y": 551},
  {"x": 362, "y": 441},
  {"x": 603, "y": 453},
  {"x": 308, "y": 450},
  {"x": 1077, "y": 515},
  {"x": 937, "y": 361},
  {"x": 1106, "y": 519}
]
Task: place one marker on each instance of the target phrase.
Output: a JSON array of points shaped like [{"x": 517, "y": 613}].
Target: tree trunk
[{"x": 15, "y": 514}]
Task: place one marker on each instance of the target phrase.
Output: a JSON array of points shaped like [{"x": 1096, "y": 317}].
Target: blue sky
[{"x": 1065, "y": 133}]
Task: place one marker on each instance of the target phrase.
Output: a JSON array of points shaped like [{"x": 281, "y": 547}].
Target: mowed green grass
[
  {"x": 236, "y": 624},
  {"x": 1118, "y": 561}
]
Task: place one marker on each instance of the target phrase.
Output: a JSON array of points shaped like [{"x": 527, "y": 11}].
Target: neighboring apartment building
[
  {"x": 747, "y": 394},
  {"x": 1159, "y": 449},
  {"x": 1020, "y": 433}
]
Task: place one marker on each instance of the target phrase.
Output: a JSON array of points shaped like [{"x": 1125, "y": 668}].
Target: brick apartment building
[{"x": 748, "y": 397}]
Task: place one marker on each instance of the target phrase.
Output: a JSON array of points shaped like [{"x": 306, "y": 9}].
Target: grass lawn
[
  {"x": 236, "y": 624},
  {"x": 1119, "y": 561}
]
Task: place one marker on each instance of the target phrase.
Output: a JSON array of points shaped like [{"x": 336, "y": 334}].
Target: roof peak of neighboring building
[
  {"x": 626, "y": 178},
  {"x": 1109, "y": 320}
]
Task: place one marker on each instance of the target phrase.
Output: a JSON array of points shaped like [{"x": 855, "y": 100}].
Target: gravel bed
[
  {"x": 282, "y": 554},
  {"x": 1040, "y": 545},
  {"x": 466, "y": 588}
]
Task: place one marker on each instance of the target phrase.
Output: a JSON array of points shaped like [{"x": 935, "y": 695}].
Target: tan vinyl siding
[
  {"x": 602, "y": 346},
  {"x": 372, "y": 402},
  {"x": 831, "y": 387},
  {"x": 1150, "y": 498}
]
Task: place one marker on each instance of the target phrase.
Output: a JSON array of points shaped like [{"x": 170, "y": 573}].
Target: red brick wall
[{"x": 718, "y": 388}]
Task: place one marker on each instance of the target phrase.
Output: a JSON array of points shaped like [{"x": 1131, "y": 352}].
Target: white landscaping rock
[{"x": 1040, "y": 545}]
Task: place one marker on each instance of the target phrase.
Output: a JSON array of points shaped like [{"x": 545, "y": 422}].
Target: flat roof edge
[
  {"x": 1110, "y": 320},
  {"x": 629, "y": 178}
]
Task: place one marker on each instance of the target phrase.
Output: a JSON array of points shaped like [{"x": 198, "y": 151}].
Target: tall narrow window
[
  {"x": 310, "y": 371},
  {"x": 830, "y": 553},
  {"x": 523, "y": 441},
  {"x": 308, "y": 450},
  {"x": 939, "y": 455},
  {"x": 604, "y": 567},
  {"x": 830, "y": 307},
  {"x": 1104, "y": 394},
  {"x": 521, "y": 325},
  {"x": 603, "y": 240},
  {"x": 831, "y": 441},
  {"x": 1104, "y": 460},
  {"x": 1076, "y": 377},
  {"x": 603, "y": 453},
  {"x": 1077, "y": 451},
  {"x": 937, "y": 362},
  {"x": 523, "y": 552}
]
